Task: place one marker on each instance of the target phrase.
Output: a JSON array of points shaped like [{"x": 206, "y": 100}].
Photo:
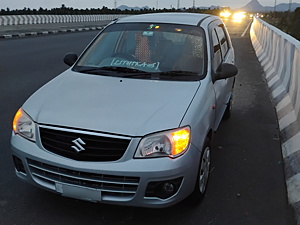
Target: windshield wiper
[
  {"x": 175, "y": 73},
  {"x": 182, "y": 75},
  {"x": 167, "y": 73},
  {"x": 121, "y": 69},
  {"x": 100, "y": 70},
  {"x": 130, "y": 72}
]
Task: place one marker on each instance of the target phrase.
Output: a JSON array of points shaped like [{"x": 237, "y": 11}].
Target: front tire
[
  {"x": 203, "y": 172},
  {"x": 227, "y": 112}
]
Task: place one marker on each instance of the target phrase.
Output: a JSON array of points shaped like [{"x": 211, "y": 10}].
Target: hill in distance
[
  {"x": 255, "y": 6},
  {"x": 125, "y": 7}
]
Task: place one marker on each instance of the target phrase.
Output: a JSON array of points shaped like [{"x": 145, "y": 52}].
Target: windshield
[{"x": 147, "y": 51}]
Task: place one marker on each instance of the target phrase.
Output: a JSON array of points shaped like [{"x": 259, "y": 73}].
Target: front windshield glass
[{"x": 151, "y": 51}]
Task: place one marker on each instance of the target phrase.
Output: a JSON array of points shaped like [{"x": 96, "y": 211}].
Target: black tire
[
  {"x": 203, "y": 173},
  {"x": 227, "y": 112}
]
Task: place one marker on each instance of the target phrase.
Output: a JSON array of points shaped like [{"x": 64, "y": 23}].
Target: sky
[{"x": 82, "y": 4}]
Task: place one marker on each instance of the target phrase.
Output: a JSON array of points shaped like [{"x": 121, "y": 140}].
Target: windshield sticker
[
  {"x": 148, "y": 33},
  {"x": 122, "y": 62},
  {"x": 152, "y": 26}
]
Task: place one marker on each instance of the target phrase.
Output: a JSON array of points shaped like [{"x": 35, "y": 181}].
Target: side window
[
  {"x": 217, "y": 55},
  {"x": 223, "y": 40}
]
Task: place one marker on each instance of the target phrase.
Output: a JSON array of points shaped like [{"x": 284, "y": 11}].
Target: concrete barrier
[
  {"x": 279, "y": 55},
  {"x": 42, "y": 19}
]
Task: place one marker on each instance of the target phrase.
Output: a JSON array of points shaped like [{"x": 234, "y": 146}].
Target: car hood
[{"x": 133, "y": 107}]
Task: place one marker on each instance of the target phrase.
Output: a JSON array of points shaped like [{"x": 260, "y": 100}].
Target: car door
[{"x": 222, "y": 53}]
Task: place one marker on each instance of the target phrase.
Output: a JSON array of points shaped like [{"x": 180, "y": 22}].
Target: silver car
[{"x": 131, "y": 121}]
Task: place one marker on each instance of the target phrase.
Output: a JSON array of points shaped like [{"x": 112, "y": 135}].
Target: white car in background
[{"x": 131, "y": 121}]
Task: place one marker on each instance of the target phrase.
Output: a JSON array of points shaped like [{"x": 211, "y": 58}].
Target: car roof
[{"x": 172, "y": 18}]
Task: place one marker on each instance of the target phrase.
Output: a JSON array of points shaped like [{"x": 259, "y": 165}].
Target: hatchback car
[{"x": 131, "y": 121}]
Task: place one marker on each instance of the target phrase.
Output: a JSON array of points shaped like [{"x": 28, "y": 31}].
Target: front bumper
[{"x": 128, "y": 181}]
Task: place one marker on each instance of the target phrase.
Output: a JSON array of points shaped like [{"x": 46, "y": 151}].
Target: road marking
[{"x": 246, "y": 29}]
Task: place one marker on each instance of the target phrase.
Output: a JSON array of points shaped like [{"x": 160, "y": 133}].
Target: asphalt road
[{"x": 246, "y": 185}]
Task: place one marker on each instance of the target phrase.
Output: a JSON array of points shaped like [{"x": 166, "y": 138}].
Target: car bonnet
[{"x": 131, "y": 107}]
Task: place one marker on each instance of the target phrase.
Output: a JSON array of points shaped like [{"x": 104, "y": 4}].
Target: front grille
[
  {"x": 111, "y": 186},
  {"x": 96, "y": 148}
]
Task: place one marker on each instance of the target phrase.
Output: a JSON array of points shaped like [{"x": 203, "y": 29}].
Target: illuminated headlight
[
  {"x": 225, "y": 14},
  {"x": 169, "y": 143},
  {"x": 24, "y": 125},
  {"x": 239, "y": 15}
]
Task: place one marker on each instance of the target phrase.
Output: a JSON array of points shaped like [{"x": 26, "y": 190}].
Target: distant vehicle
[
  {"x": 239, "y": 15},
  {"x": 131, "y": 122},
  {"x": 260, "y": 15},
  {"x": 225, "y": 13}
]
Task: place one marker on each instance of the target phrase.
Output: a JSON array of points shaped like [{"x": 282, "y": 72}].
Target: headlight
[
  {"x": 24, "y": 125},
  {"x": 169, "y": 143},
  {"x": 239, "y": 15}
]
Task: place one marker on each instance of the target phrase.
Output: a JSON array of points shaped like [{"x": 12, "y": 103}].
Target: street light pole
[{"x": 290, "y": 5}]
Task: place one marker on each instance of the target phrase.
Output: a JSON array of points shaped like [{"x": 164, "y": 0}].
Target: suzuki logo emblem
[{"x": 78, "y": 145}]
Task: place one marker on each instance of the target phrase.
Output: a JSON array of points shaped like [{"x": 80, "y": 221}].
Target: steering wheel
[{"x": 125, "y": 55}]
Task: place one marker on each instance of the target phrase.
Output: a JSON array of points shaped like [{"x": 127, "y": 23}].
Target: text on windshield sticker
[{"x": 122, "y": 62}]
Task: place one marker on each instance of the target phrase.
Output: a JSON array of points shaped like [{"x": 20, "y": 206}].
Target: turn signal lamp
[
  {"x": 16, "y": 119},
  {"x": 24, "y": 125},
  {"x": 181, "y": 140}
]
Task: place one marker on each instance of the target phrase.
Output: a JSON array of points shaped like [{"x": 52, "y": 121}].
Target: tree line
[
  {"x": 63, "y": 10},
  {"x": 288, "y": 22}
]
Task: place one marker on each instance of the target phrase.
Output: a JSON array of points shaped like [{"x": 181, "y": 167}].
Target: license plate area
[{"x": 82, "y": 193}]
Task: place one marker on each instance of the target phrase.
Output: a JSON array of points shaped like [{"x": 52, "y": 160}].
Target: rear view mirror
[
  {"x": 225, "y": 70},
  {"x": 70, "y": 59}
]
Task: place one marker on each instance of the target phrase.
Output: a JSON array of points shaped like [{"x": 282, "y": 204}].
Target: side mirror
[
  {"x": 70, "y": 59},
  {"x": 225, "y": 70}
]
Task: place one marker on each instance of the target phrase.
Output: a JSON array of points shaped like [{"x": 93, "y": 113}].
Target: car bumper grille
[
  {"x": 95, "y": 147},
  {"x": 111, "y": 187}
]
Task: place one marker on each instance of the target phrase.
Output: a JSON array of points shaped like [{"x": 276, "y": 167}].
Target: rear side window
[
  {"x": 217, "y": 57},
  {"x": 220, "y": 46},
  {"x": 223, "y": 40}
]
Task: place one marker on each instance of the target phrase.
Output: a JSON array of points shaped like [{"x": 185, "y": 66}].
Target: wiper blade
[
  {"x": 142, "y": 74},
  {"x": 159, "y": 75},
  {"x": 130, "y": 72},
  {"x": 94, "y": 70},
  {"x": 105, "y": 69},
  {"x": 121, "y": 69},
  {"x": 175, "y": 73}
]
